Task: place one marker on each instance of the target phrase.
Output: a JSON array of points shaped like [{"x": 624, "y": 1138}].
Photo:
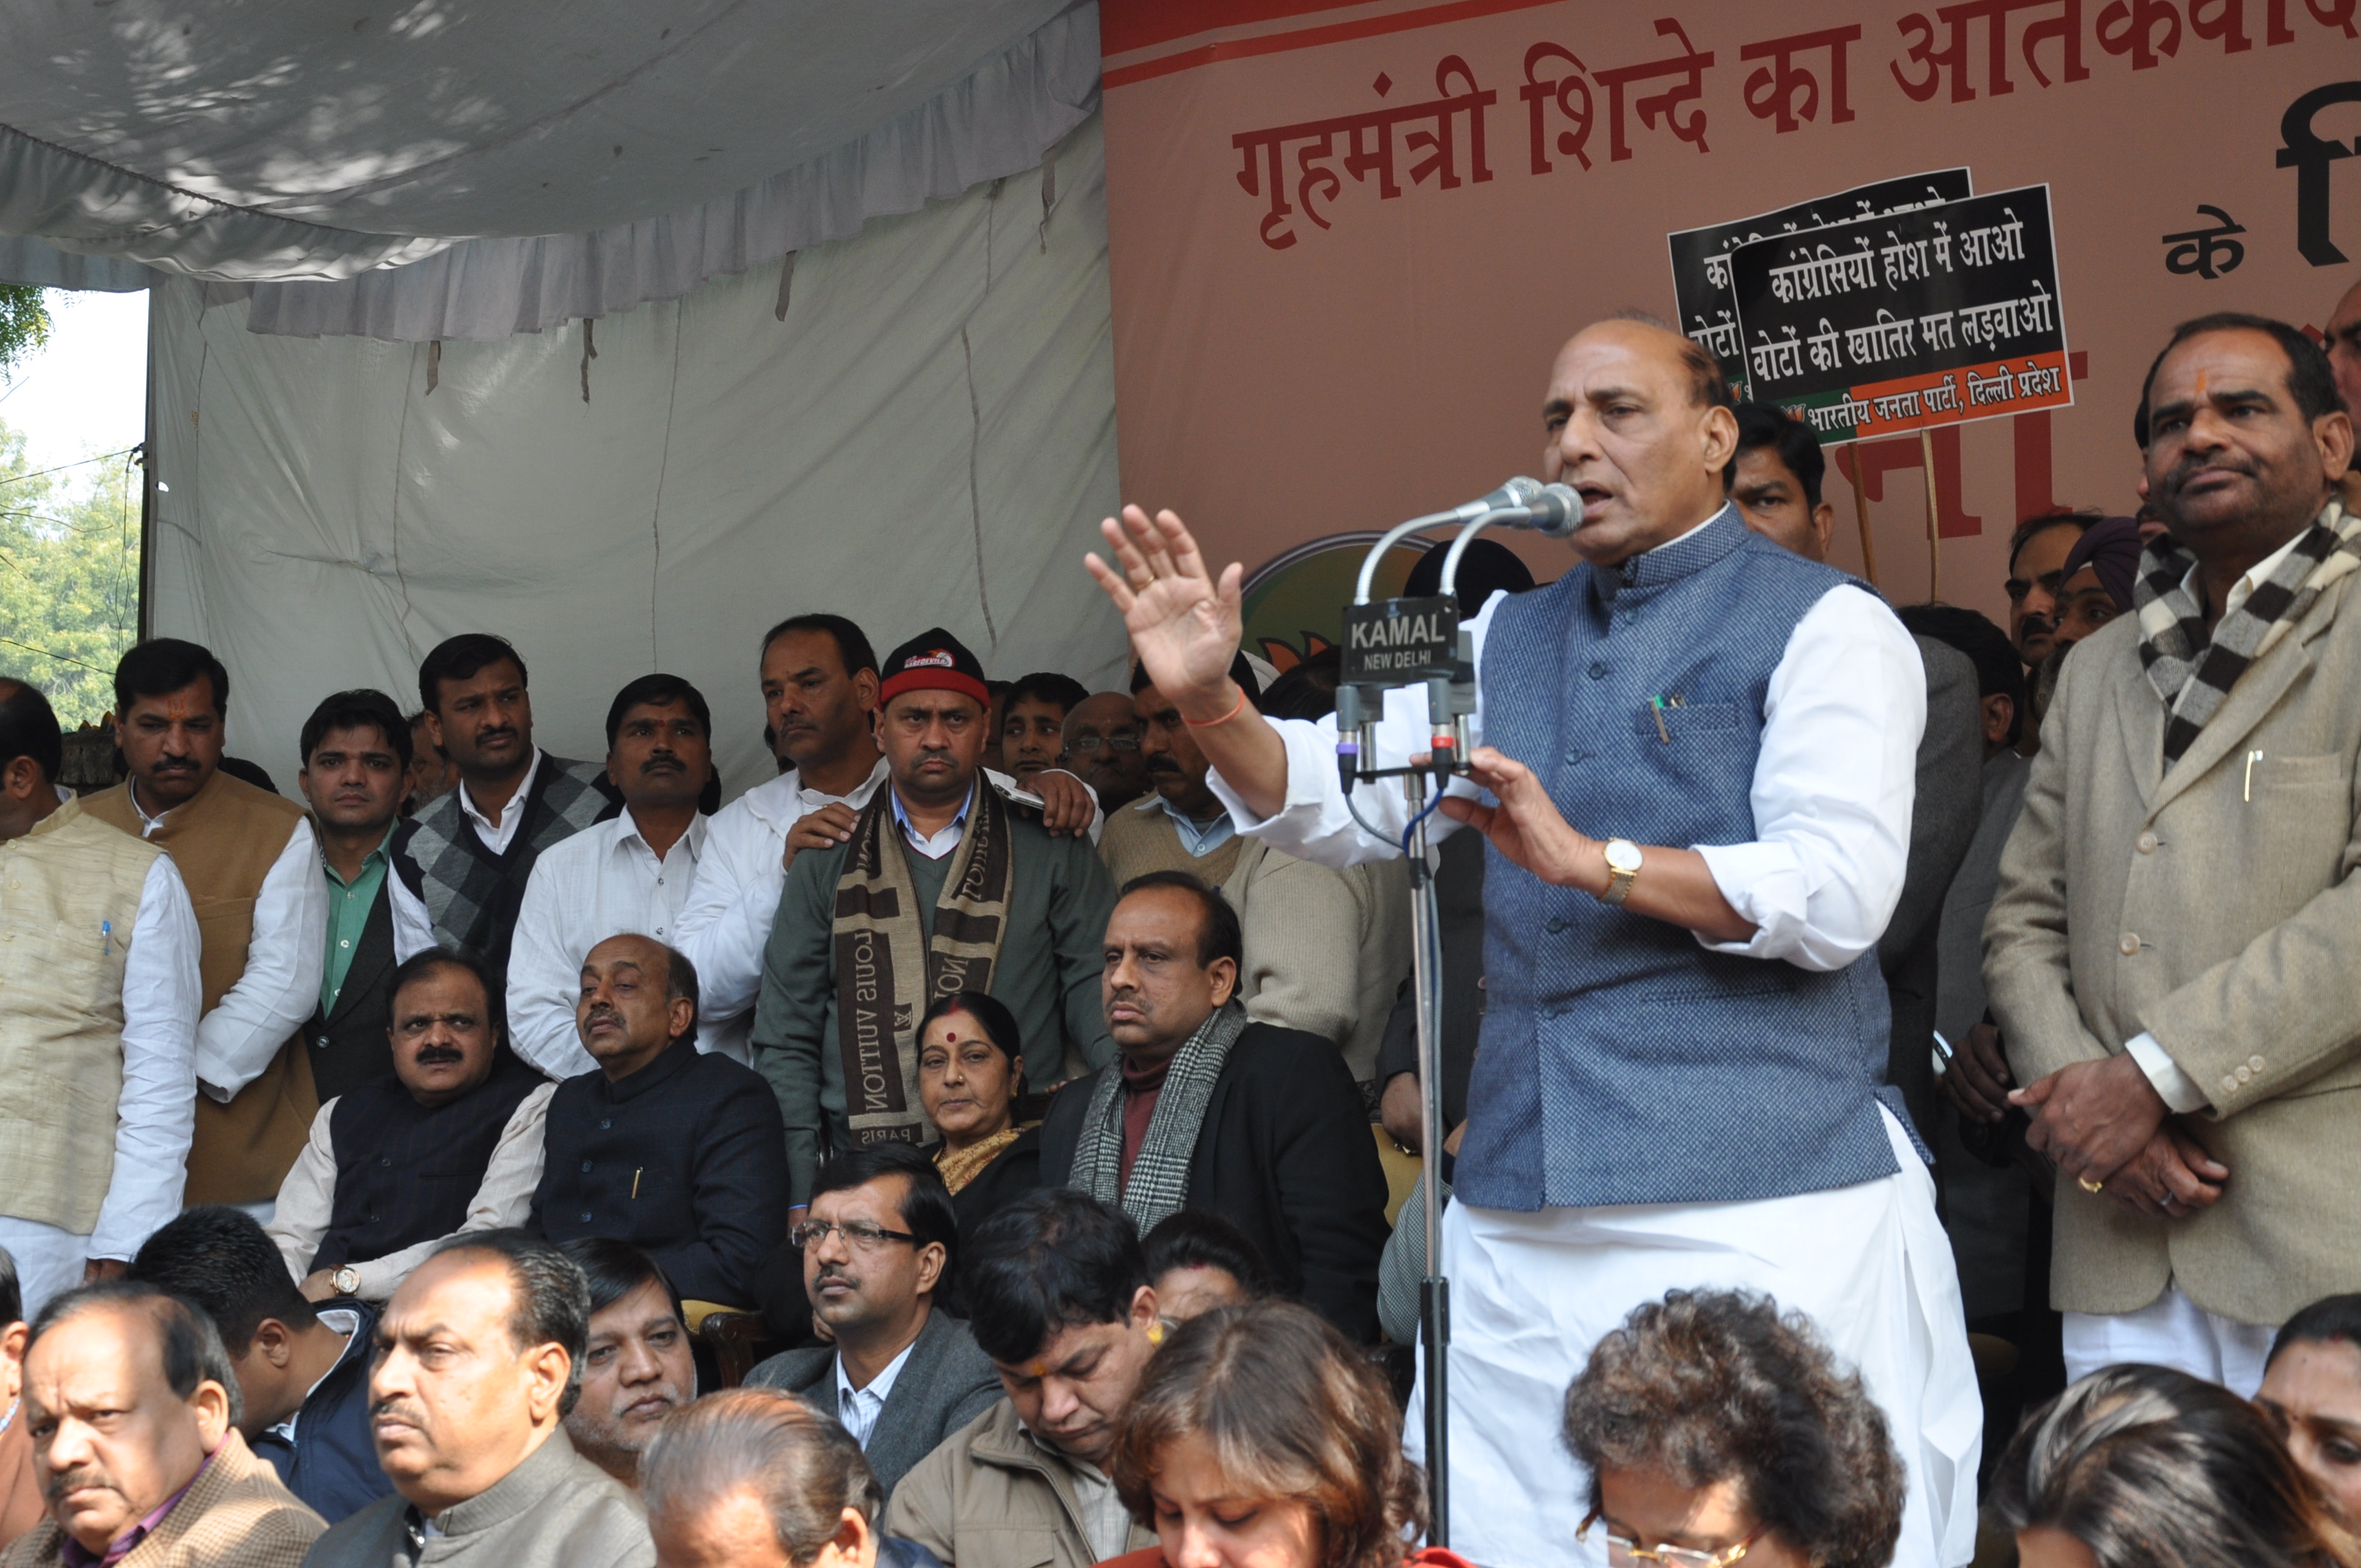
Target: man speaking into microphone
[{"x": 1693, "y": 760}]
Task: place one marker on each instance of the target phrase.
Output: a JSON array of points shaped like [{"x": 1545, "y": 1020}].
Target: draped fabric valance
[{"x": 440, "y": 170}]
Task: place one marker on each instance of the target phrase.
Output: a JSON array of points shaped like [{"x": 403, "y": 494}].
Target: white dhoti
[
  {"x": 2171, "y": 1331},
  {"x": 1531, "y": 1294}
]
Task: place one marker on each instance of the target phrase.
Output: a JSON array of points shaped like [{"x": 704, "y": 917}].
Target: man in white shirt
[
  {"x": 101, "y": 966},
  {"x": 630, "y": 874},
  {"x": 251, "y": 864},
  {"x": 472, "y": 851},
  {"x": 820, "y": 695},
  {"x": 1679, "y": 1077},
  {"x": 901, "y": 1377}
]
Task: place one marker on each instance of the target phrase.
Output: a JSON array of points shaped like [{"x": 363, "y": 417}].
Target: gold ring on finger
[{"x": 2087, "y": 1185}]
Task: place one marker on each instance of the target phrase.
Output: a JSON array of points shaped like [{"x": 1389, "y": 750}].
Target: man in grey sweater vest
[
  {"x": 1680, "y": 1076},
  {"x": 478, "y": 1358}
]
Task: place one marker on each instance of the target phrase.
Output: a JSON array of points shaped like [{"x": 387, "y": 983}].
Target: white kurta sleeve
[
  {"x": 502, "y": 1202},
  {"x": 726, "y": 924},
  {"x": 156, "y": 1114},
  {"x": 414, "y": 929},
  {"x": 1833, "y": 787},
  {"x": 1007, "y": 786},
  {"x": 280, "y": 986},
  {"x": 306, "y": 1199},
  {"x": 545, "y": 979}
]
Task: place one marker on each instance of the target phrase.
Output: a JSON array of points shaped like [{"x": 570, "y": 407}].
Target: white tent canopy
[
  {"x": 441, "y": 170},
  {"x": 852, "y": 339}
]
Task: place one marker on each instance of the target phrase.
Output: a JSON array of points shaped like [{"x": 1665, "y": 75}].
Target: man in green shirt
[
  {"x": 941, "y": 885},
  {"x": 356, "y": 765}
]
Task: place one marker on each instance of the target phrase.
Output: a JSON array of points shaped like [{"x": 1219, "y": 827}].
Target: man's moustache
[
  {"x": 400, "y": 1408},
  {"x": 2186, "y": 470},
  {"x": 1162, "y": 764},
  {"x": 56, "y": 1486},
  {"x": 435, "y": 1056}
]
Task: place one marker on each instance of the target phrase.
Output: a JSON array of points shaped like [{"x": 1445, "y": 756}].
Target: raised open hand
[{"x": 1185, "y": 625}]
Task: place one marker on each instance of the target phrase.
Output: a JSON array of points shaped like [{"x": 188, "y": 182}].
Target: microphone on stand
[{"x": 1552, "y": 511}]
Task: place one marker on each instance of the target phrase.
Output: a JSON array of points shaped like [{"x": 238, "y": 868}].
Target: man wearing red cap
[{"x": 943, "y": 886}]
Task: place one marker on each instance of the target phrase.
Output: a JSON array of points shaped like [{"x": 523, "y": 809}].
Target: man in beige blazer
[{"x": 2174, "y": 955}]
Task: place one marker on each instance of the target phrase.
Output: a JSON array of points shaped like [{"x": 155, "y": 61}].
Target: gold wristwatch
[
  {"x": 1622, "y": 870},
  {"x": 345, "y": 1281}
]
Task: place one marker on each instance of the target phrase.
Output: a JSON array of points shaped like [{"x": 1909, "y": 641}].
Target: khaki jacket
[
  {"x": 992, "y": 1498},
  {"x": 2216, "y": 909},
  {"x": 235, "y": 1514}
]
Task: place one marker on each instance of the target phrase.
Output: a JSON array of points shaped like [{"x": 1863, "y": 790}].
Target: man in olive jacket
[{"x": 943, "y": 884}]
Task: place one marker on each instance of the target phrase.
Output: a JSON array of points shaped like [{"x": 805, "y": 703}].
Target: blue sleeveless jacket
[{"x": 1623, "y": 1062}]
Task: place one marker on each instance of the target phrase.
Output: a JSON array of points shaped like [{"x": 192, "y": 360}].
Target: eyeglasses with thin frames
[
  {"x": 860, "y": 1235},
  {"x": 1624, "y": 1552},
  {"x": 1122, "y": 740}
]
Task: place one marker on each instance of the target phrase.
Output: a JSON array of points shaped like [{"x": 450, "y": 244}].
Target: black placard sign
[
  {"x": 1910, "y": 320},
  {"x": 1701, "y": 257}
]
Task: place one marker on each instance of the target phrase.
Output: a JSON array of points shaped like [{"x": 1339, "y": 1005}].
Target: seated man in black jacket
[
  {"x": 678, "y": 1152},
  {"x": 303, "y": 1374},
  {"x": 1261, "y": 1124},
  {"x": 448, "y": 1141}
]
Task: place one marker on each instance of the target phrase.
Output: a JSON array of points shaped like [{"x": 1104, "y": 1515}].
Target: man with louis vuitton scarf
[
  {"x": 944, "y": 885},
  {"x": 2171, "y": 950}
]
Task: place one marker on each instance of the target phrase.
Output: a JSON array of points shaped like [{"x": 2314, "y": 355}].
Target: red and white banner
[{"x": 1348, "y": 239}]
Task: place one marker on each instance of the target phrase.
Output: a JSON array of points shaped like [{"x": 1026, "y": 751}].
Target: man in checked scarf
[{"x": 2174, "y": 956}]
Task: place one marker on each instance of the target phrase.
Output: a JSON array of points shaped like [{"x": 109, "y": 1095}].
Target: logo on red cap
[{"x": 939, "y": 657}]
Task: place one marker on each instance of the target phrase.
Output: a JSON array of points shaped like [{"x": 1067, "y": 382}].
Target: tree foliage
[
  {"x": 69, "y": 576},
  {"x": 24, "y": 321}
]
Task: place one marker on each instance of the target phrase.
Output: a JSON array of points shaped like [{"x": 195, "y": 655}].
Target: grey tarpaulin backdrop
[{"x": 928, "y": 438}]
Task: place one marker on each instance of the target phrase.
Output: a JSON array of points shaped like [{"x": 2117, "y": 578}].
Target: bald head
[
  {"x": 2344, "y": 348},
  {"x": 638, "y": 997},
  {"x": 1639, "y": 422}
]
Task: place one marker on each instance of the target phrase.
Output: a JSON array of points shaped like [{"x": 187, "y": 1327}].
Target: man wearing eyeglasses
[
  {"x": 881, "y": 1241},
  {"x": 1103, "y": 744}
]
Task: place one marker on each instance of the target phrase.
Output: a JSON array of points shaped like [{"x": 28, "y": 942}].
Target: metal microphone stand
[{"x": 1383, "y": 643}]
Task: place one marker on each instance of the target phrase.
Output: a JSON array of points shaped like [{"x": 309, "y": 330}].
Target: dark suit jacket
[
  {"x": 1286, "y": 1155},
  {"x": 349, "y": 1046},
  {"x": 1943, "y": 821},
  {"x": 946, "y": 1384},
  {"x": 684, "y": 1159},
  {"x": 332, "y": 1464}
]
